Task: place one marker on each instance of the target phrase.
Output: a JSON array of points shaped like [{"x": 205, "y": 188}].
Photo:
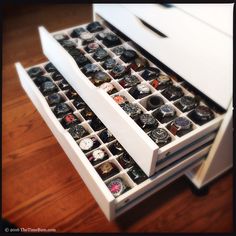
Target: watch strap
[{"x": 173, "y": 129}]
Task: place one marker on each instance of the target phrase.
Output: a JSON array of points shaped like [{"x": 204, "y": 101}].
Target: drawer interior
[{"x": 138, "y": 143}]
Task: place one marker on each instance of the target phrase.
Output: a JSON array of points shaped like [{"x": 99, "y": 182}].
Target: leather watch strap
[{"x": 173, "y": 129}]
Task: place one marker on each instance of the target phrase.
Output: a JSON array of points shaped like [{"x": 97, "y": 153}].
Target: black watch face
[
  {"x": 182, "y": 123},
  {"x": 167, "y": 110},
  {"x": 35, "y": 71},
  {"x": 131, "y": 109},
  {"x": 150, "y": 73},
  {"x": 111, "y": 40},
  {"x": 159, "y": 134},
  {"x": 187, "y": 101},
  {"x": 41, "y": 79},
  {"x": 147, "y": 119},
  {"x": 101, "y": 77},
  {"x": 68, "y": 44},
  {"x": 204, "y": 112},
  {"x": 118, "y": 50},
  {"x": 76, "y": 32},
  {"x": 118, "y": 69},
  {"x": 61, "y": 109},
  {"x": 173, "y": 92},
  {"x": 54, "y": 99},
  {"x": 94, "y": 27},
  {"x": 131, "y": 80},
  {"x": 100, "y": 54},
  {"x": 90, "y": 68},
  {"x": 109, "y": 63},
  {"x": 128, "y": 55},
  {"x": 50, "y": 67}
]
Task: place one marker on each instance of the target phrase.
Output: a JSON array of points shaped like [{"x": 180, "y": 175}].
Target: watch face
[
  {"x": 76, "y": 32},
  {"x": 125, "y": 160},
  {"x": 54, "y": 99},
  {"x": 94, "y": 27},
  {"x": 50, "y": 67},
  {"x": 35, "y": 71},
  {"x": 100, "y": 54},
  {"x": 118, "y": 71},
  {"x": 116, "y": 186},
  {"x": 173, "y": 92},
  {"x": 116, "y": 148},
  {"x": 119, "y": 99},
  {"x": 86, "y": 36},
  {"x": 98, "y": 154},
  {"x": 61, "y": 109},
  {"x": 129, "y": 81},
  {"x": 167, "y": 110},
  {"x": 147, "y": 119},
  {"x": 139, "y": 64},
  {"x": 204, "y": 113},
  {"x": 128, "y": 55},
  {"x": 118, "y": 50},
  {"x": 68, "y": 44},
  {"x": 150, "y": 73},
  {"x": 109, "y": 63},
  {"x": 68, "y": 120},
  {"x": 159, "y": 135},
  {"x": 72, "y": 94},
  {"x": 182, "y": 123},
  {"x": 111, "y": 40},
  {"x": 132, "y": 109},
  {"x": 60, "y": 37},
  {"x": 96, "y": 124},
  {"x": 79, "y": 103},
  {"x": 90, "y": 69},
  {"x": 81, "y": 60},
  {"x": 137, "y": 175},
  {"x": 39, "y": 80},
  {"x": 107, "y": 87},
  {"x": 64, "y": 85},
  {"x": 87, "y": 113},
  {"x": 143, "y": 88},
  {"x": 86, "y": 144},
  {"x": 48, "y": 87},
  {"x": 91, "y": 47},
  {"x": 106, "y": 136},
  {"x": 100, "y": 77},
  {"x": 57, "y": 76},
  {"x": 74, "y": 52},
  {"x": 77, "y": 131},
  {"x": 188, "y": 102}
]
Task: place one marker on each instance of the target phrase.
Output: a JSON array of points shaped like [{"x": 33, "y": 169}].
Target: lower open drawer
[{"x": 111, "y": 206}]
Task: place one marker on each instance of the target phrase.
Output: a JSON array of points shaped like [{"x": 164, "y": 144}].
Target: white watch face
[
  {"x": 86, "y": 144},
  {"x": 86, "y": 36},
  {"x": 98, "y": 154},
  {"x": 59, "y": 36},
  {"x": 143, "y": 88},
  {"x": 107, "y": 87}
]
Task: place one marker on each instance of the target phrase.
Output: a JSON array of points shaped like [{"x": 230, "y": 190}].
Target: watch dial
[
  {"x": 187, "y": 101},
  {"x": 159, "y": 134},
  {"x": 182, "y": 122},
  {"x": 167, "y": 109},
  {"x": 130, "y": 80},
  {"x": 132, "y": 109},
  {"x": 86, "y": 144},
  {"x": 86, "y": 36},
  {"x": 147, "y": 119},
  {"x": 118, "y": 50},
  {"x": 143, "y": 88},
  {"x": 203, "y": 111},
  {"x": 98, "y": 154},
  {"x": 116, "y": 186}
]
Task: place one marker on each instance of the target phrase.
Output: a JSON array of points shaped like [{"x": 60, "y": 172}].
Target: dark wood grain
[{"x": 40, "y": 186}]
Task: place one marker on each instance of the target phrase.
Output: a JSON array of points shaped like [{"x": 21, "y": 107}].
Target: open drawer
[
  {"x": 135, "y": 140},
  {"x": 111, "y": 206}
]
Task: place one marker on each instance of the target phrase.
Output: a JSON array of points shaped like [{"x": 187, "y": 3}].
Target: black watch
[
  {"x": 154, "y": 102},
  {"x": 173, "y": 92},
  {"x": 180, "y": 125},
  {"x": 111, "y": 40},
  {"x": 118, "y": 71},
  {"x": 147, "y": 122},
  {"x": 187, "y": 103},
  {"x": 133, "y": 110},
  {"x": 128, "y": 55},
  {"x": 150, "y": 73},
  {"x": 77, "y": 131},
  {"x": 160, "y": 136}
]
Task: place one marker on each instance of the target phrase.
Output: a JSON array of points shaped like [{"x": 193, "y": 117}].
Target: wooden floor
[{"x": 41, "y": 189}]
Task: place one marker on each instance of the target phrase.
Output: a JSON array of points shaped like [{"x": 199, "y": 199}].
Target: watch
[
  {"x": 50, "y": 67},
  {"x": 154, "y": 102},
  {"x": 76, "y": 32},
  {"x": 160, "y": 136},
  {"x": 167, "y": 111},
  {"x": 118, "y": 50},
  {"x": 150, "y": 73},
  {"x": 173, "y": 92},
  {"x": 117, "y": 186},
  {"x": 106, "y": 136},
  {"x": 97, "y": 156},
  {"x": 162, "y": 82},
  {"x": 100, "y": 35},
  {"x": 116, "y": 148},
  {"x": 48, "y": 87},
  {"x": 139, "y": 64},
  {"x": 111, "y": 40},
  {"x": 67, "y": 44},
  {"x": 108, "y": 87},
  {"x": 107, "y": 170},
  {"x": 60, "y": 37},
  {"x": 94, "y": 27},
  {"x": 96, "y": 124},
  {"x": 86, "y": 37},
  {"x": 100, "y": 54},
  {"x": 128, "y": 55},
  {"x": 77, "y": 131},
  {"x": 89, "y": 69},
  {"x": 137, "y": 175},
  {"x": 187, "y": 103},
  {"x": 39, "y": 80},
  {"x": 100, "y": 77},
  {"x": 61, "y": 109},
  {"x": 87, "y": 144},
  {"x": 133, "y": 110},
  {"x": 87, "y": 113},
  {"x": 68, "y": 120},
  {"x": 35, "y": 71},
  {"x": 74, "y": 52},
  {"x": 125, "y": 160},
  {"x": 72, "y": 94},
  {"x": 118, "y": 71},
  {"x": 54, "y": 99},
  {"x": 56, "y": 76},
  {"x": 81, "y": 60},
  {"x": 120, "y": 99},
  {"x": 180, "y": 123},
  {"x": 147, "y": 122},
  {"x": 91, "y": 47},
  {"x": 109, "y": 63},
  {"x": 79, "y": 103},
  {"x": 202, "y": 114},
  {"x": 129, "y": 81},
  {"x": 64, "y": 85},
  {"x": 139, "y": 91}
]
